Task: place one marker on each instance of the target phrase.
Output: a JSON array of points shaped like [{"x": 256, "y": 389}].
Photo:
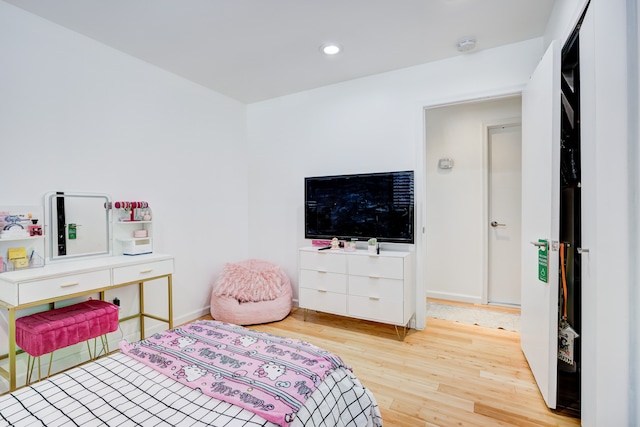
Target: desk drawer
[
  {"x": 60, "y": 286},
  {"x": 141, "y": 272}
]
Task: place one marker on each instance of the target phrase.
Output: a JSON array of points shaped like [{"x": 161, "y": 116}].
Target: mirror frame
[{"x": 50, "y": 206}]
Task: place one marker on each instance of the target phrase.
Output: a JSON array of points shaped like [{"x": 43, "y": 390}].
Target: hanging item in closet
[{"x": 566, "y": 334}]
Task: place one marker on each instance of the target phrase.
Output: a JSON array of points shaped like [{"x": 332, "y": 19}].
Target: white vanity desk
[{"x": 69, "y": 279}]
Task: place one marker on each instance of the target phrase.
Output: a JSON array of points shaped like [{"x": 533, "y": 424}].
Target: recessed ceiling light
[{"x": 330, "y": 49}]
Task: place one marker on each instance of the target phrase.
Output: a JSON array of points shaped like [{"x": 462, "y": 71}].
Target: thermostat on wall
[{"x": 445, "y": 163}]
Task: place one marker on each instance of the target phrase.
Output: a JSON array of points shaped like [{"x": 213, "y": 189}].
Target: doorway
[
  {"x": 456, "y": 194},
  {"x": 504, "y": 210}
]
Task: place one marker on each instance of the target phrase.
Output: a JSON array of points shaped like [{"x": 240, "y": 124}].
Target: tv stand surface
[{"x": 360, "y": 284}]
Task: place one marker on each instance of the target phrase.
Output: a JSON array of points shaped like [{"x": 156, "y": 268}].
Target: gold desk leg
[
  {"x": 12, "y": 349},
  {"x": 141, "y": 287},
  {"x": 169, "y": 287}
]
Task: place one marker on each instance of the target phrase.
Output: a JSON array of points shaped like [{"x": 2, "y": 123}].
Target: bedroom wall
[
  {"x": 79, "y": 116},
  {"x": 370, "y": 124}
]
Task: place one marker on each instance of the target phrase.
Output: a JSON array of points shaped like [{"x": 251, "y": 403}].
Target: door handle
[
  {"x": 582, "y": 251},
  {"x": 496, "y": 224},
  {"x": 539, "y": 244}
]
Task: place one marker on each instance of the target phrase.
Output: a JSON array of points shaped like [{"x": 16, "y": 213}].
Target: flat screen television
[{"x": 361, "y": 206}]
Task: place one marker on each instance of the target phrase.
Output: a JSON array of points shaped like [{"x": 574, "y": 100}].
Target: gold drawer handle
[
  {"x": 375, "y": 298},
  {"x": 148, "y": 270},
  {"x": 322, "y": 271},
  {"x": 322, "y": 290},
  {"x": 68, "y": 285},
  {"x": 371, "y": 276}
]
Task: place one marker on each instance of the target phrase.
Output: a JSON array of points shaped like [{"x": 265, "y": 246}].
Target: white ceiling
[{"x": 253, "y": 50}]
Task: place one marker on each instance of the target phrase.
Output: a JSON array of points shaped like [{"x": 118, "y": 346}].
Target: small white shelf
[
  {"x": 125, "y": 242},
  {"x": 13, "y": 239}
]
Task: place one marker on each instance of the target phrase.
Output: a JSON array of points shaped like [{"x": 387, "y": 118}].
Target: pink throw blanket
[{"x": 266, "y": 374}]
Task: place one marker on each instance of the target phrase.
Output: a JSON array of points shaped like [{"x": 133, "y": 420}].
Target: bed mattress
[{"x": 118, "y": 390}]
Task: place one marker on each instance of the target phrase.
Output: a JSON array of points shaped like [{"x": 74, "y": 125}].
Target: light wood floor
[{"x": 449, "y": 374}]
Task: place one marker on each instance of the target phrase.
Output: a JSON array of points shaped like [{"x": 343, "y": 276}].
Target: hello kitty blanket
[{"x": 266, "y": 374}]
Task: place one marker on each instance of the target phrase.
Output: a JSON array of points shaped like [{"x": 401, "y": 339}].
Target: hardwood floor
[{"x": 449, "y": 374}]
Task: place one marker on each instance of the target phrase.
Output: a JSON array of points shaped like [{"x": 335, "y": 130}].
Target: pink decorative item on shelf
[
  {"x": 317, "y": 242},
  {"x": 140, "y": 233}
]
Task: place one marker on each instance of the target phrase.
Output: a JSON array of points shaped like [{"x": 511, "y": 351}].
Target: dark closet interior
[{"x": 569, "y": 310}]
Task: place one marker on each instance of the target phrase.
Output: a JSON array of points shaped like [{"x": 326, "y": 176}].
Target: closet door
[{"x": 540, "y": 221}]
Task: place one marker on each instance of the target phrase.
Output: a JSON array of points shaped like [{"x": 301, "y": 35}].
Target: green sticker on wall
[{"x": 543, "y": 261}]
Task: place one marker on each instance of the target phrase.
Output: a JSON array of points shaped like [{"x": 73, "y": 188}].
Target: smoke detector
[{"x": 466, "y": 44}]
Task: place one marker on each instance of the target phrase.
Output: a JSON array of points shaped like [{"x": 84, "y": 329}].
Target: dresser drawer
[
  {"x": 328, "y": 302},
  {"x": 380, "y": 310},
  {"x": 325, "y": 261},
  {"x": 140, "y": 272},
  {"x": 322, "y": 281},
  {"x": 376, "y": 266},
  {"x": 60, "y": 286},
  {"x": 381, "y": 288}
]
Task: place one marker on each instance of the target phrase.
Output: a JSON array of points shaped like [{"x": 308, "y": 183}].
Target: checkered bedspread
[{"x": 119, "y": 391}]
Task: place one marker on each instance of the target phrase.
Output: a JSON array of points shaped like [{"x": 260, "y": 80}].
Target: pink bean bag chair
[{"x": 251, "y": 292}]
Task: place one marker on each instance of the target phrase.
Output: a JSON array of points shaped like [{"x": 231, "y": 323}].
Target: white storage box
[{"x": 137, "y": 246}]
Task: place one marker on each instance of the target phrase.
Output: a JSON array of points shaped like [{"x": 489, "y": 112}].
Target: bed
[{"x": 206, "y": 373}]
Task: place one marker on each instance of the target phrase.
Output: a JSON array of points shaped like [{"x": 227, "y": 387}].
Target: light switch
[{"x": 445, "y": 163}]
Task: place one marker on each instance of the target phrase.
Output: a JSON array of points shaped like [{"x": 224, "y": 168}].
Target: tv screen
[{"x": 362, "y": 206}]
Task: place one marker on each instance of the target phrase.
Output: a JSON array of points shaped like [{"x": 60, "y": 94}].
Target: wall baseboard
[
  {"x": 191, "y": 316},
  {"x": 454, "y": 297}
]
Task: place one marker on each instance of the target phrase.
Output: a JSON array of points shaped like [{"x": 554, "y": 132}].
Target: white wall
[
  {"x": 370, "y": 124},
  {"x": 76, "y": 115},
  {"x": 456, "y": 198}
]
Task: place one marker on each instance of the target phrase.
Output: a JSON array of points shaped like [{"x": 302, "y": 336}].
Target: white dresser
[{"x": 358, "y": 284}]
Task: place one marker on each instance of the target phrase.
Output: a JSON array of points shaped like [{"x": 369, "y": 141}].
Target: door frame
[
  {"x": 486, "y": 127},
  {"x": 421, "y": 182}
]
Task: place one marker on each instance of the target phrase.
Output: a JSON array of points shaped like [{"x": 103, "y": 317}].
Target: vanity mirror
[{"x": 77, "y": 225}]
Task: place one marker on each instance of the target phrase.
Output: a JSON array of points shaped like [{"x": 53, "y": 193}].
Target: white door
[
  {"x": 540, "y": 221},
  {"x": 504, "y": 145}
]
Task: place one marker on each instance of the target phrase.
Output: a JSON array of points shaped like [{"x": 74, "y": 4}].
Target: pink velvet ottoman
[{"x": 44, "y": 332}]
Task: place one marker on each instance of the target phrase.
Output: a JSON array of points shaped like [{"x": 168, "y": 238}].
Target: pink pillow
[{"x": 251, "y": 280}]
